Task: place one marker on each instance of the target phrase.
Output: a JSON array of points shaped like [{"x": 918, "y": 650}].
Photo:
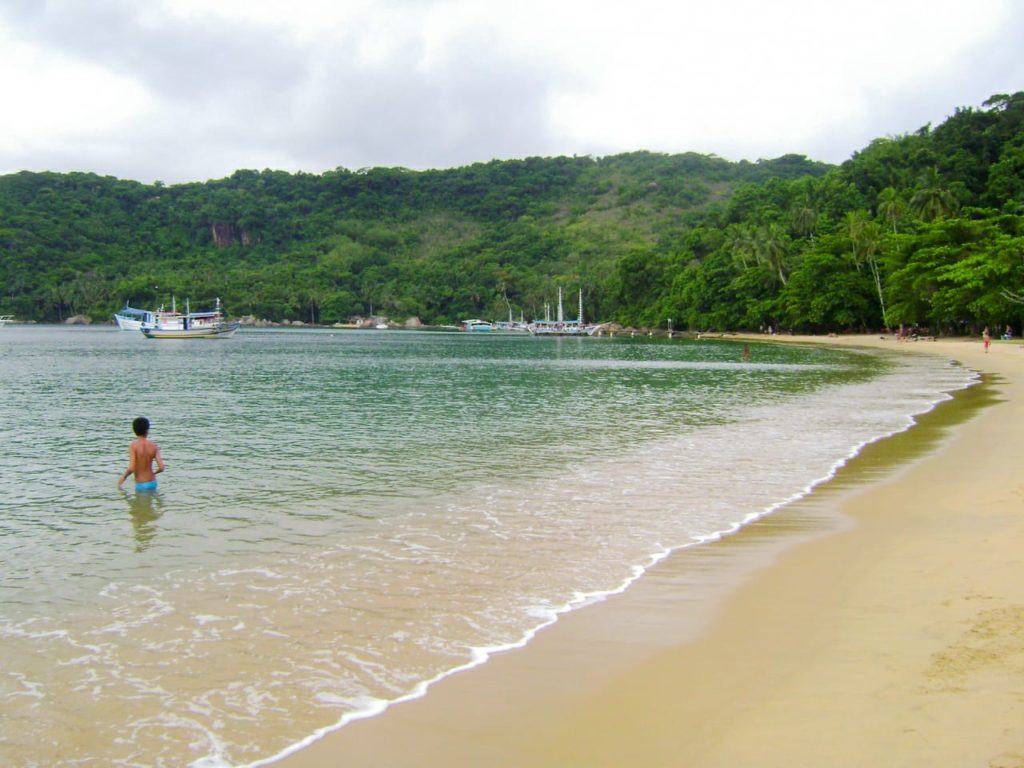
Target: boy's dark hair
[{"x": 141, "y": 426}]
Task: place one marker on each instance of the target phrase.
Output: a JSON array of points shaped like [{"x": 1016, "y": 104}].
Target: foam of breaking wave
[{"x": 688, "y": 508}]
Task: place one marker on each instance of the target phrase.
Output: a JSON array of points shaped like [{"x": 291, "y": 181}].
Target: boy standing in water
[{"x": 141, "y": 455}]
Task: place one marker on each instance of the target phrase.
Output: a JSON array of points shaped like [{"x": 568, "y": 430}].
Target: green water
[{"x": 348, "y": 515}]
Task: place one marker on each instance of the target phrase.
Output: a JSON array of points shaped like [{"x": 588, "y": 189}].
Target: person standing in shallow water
[{"x": 142, "y": 454}]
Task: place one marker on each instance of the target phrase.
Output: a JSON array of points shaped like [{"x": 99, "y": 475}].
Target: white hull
[
  {"x": 131, "y": 319},
  {"x": 215, "y": 331},
  {"x": 127, "y": 323},
  {"x": 561, "y": 326},
  {"x": 190, "y": 325}
]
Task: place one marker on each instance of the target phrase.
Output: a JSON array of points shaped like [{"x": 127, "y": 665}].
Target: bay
[{"x": 347, "y": 516}]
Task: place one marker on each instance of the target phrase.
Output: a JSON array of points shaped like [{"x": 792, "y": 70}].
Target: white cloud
[
  {"x": 53, "y": 100},
  {"x": 747, "y": 75},
  {"x": 187, "y": 89}
]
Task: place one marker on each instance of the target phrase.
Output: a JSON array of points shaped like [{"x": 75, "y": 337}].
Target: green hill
[
  {"x": 927, "y": 225},
  {"x": 440, "y": 245}
]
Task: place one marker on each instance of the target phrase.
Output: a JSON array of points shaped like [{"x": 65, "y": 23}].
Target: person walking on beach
[
  {"x": 985, "y": 338},
  {"x": 142, "y": 454}
]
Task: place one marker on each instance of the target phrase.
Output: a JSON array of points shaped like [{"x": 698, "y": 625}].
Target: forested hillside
[
  {"x": 925, "y": 228},
  {"x": 439, "y": 245}
]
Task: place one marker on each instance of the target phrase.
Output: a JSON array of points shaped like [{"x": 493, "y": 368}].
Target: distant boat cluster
[
  {"x": 172, "y": 324},
  {"x": 559, "y": 326}
]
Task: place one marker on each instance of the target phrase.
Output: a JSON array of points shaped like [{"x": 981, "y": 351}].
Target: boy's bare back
[{"x": 141, "y": 454}]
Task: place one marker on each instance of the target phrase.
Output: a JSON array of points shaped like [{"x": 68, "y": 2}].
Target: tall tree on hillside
[
  {"x": 871, "y": 241},
  {"x": 773, "y": 248},
  {"x": 932, "y": 200},
  {"x": 804, "y": 219},
  {"x": 741, "y": 243},
  {"x": 853, "y": 226},
  {"x": 890, "y": 207},
  {"x": 1005, "y": 187},
  {"x": 865, "y": 242}
]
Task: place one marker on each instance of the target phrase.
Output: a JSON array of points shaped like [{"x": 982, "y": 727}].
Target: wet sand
[{"x": 878, "y": 622}]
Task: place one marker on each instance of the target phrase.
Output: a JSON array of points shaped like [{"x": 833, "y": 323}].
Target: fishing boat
[
  {"x": 189, "y": 325},
  {"x": 477, "y": 326},
  {"x": 5, "y": 319},
  {"x": 560, "y": 326},
  {"x": 510, "y": 325},
  {"x": 132, "y": 319}
]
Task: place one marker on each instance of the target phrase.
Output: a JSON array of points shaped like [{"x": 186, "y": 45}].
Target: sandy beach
[{"x": 879, "y": 622}]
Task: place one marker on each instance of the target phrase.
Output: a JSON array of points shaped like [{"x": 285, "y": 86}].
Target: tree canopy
[{"x": 921, "y": 229}]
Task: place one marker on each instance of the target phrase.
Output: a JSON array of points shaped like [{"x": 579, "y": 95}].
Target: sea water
[{"x": 347, "y": 516}]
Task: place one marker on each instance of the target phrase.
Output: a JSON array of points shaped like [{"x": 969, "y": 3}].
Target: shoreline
[{"x": 843, "y": 668}]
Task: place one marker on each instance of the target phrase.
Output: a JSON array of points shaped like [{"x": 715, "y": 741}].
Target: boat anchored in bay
[
  {"x": 189, "y": 325},
  {"x": 561, "y": 326},
  {"x": 131, "y": 319}
]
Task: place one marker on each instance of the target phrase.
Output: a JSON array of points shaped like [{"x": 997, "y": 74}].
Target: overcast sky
[{"x": 189, "y": 90}]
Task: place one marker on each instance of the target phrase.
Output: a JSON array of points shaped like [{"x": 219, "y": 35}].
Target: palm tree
[
  {"x": 870, "y": 242},
  {"x": 805, "y": 219},
  {"x": 891, "y": 207},
  {"x": 315, "y": 295},
  {"x": 772, "y": 250},
  {"x": 854, "y": 224},
  {"x": 741, "y": 243},
  {"x": 932, "y": 200},
  {"x": 865, "y": 240}
]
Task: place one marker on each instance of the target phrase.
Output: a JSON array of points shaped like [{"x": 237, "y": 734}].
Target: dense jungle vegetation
[{"x": 925, "y": 229}]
